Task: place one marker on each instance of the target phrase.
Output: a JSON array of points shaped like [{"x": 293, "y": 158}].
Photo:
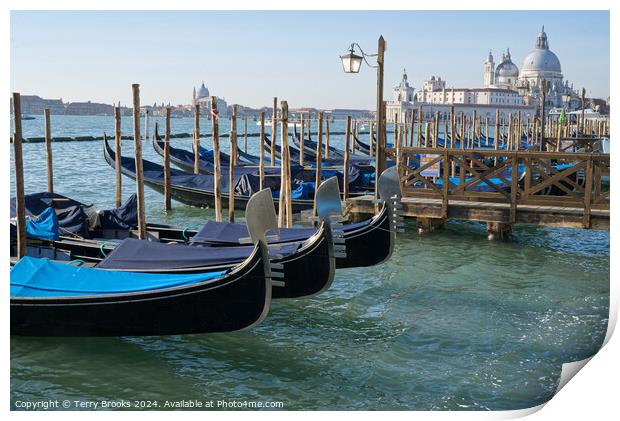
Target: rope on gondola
[
  {"x": 76, "y": 261},
  {"x": 101, "y": 248},
  {"x": 184, "y": 232}
]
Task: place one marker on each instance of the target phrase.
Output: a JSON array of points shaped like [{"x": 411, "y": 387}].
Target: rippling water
[{"x": 452, "y": 321}]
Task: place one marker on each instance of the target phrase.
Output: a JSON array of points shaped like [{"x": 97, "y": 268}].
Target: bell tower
[{"x": 489, "y": 71}]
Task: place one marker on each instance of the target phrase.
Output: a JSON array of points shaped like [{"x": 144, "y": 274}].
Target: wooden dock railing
[{"x": 575, "y": 181}]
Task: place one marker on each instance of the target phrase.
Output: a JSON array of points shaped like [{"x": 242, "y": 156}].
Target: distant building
[
  {"x": 434, "y": 97},
  {"x": 540, "y": 64},
  {"x": 505, "y": 87},
  {"x": 34, "y": 104},
  {"x": 203, "y": 98},
  {"x": 89, "y": 108},
  {"x": 343, "y": 113}
]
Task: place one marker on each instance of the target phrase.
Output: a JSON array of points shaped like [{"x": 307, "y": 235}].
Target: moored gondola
[
  {"x": 301, "y": 268},
  {"x": 197, "y": 189},
  {"x": 50, "y": 298},
  {"x": 352, "y": 239}
]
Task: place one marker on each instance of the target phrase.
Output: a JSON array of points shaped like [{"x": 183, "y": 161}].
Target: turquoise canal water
[{"x": 451, "y": 322}]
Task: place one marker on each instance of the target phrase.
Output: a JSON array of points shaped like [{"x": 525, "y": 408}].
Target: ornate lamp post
[{"x": 351, "y": 63}]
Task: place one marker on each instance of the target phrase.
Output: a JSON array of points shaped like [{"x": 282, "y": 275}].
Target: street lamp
[{"x": 351, "y": 63}]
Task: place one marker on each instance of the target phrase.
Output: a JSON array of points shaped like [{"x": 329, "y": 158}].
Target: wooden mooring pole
[
  {"x": 301, "y": 140},
  {"x": 118, "y": 154},
  {"x": 274, "y": 129},
  {"x": 245, "y": 133},
  {"x": 287, "y": 155},
  {"x": 217, "y": 177},
  {"x": 231, "y": 167},
  {"x": 18, "y": 160},
  {"x": 197, "y": 140},
  {"x": 261, "y": 163},
  {"x": 137, "y": 144},
  {"x": 345, "y": 165},
  {"x": 167, "y": 200},
  {"x": 327, "y": 138},
  {"x": 48, "y": 151},
  {"x": 319, "y": 147}
]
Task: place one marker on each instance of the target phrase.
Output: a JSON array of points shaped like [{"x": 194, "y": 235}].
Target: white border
[{"x": 591, "y": 395}]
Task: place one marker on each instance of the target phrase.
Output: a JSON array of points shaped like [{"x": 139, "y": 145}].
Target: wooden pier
[{"x": 557, "y": 189}]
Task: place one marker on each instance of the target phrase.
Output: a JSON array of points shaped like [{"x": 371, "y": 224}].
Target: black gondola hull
[{"x": 239, "y": 300}]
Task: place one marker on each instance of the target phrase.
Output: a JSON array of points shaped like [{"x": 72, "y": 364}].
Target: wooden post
[
  {"x": 462, "y": 136},
  {"x": 327, "y": 138},
  {"x": 197, "y": 140},
  {"x": 411, "y": 129},
  {"x": 372, "y": 141},
  {"x": 319, "y": 147},
  {"x": 167, "y": 199},
  {"x": 48, "y": 151},
  {"x": 118, "y": 153},
  {"x": 146, "y": 124},
  {"x": 510, "y": 133},
  {"x": 261, "y": 163},
  {"x": 245, "y": 133},
  {"x": 217, "y": 169},
  {"x": 474, "y": 129},
  {"x": 486, "y": 128},
  {"x": 286, "y": 165},
  {"x": 380, "y": 161},
  {"x": 283, "y": 180},
  {"x": 583, "y": 111},
  {"x": 20, "y": 201},
  {"x": 345, "y": 165},
  {"x": 231, "y": 168},
  {"x": 543, "y": 96},
  {"x": 274, "y": 129},
  {"x": 436, "y": 130},
  {"x": 420, "y": 118},
  {"x": 301, "y": 140},
  {"x": 137, "y": 145}
]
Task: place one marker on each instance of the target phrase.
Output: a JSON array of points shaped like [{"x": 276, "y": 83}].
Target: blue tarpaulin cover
[
  {"x": 32, "y": 277},
  {"x": 44, "y": 226}
]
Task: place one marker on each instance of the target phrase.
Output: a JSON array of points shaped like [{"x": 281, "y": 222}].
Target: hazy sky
[{"x": 249, "y": 57}]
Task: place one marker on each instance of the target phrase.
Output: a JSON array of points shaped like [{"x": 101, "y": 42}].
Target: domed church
[
  {"x": 202, "y": 97},
  {"x": 540, "y": 64}
]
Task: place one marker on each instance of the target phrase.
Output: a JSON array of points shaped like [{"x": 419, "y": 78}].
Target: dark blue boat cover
[
  {"x": 227, "y": 233},
  {"x": 141, "y": 255},
  {"x": 123, "y": 218},
  {"x": 33, "y": 277}
]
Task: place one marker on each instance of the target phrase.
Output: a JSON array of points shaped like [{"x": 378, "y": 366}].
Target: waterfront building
[
  {"x": 540, "y": 64},
  {"x": 202, "y": 97},
  {"x": 434, "y": 97},
  {"x": 88, "y": 108},
  {"x": 505, "y": 87},
  {"x": 34, "y": 104}
]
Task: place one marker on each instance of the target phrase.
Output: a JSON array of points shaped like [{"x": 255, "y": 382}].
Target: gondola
[
  {"x": 184, "y": 159},
  {"x": 354, "y": 238},
  {"x": 197, "y": 189},
  {"x": 302, "y": 268},
  {"x": 364, "y": 147},
  {"x": 50, "y": 298}
]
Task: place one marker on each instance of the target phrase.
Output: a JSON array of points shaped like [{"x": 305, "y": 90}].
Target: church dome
[
  {"x": 507, "y": 69},
  {"x": 203, "y": 92},
  {"x": 541, "y": 59}
]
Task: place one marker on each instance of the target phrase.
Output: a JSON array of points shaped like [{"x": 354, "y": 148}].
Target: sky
[{"x": 250, "y": 57}]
